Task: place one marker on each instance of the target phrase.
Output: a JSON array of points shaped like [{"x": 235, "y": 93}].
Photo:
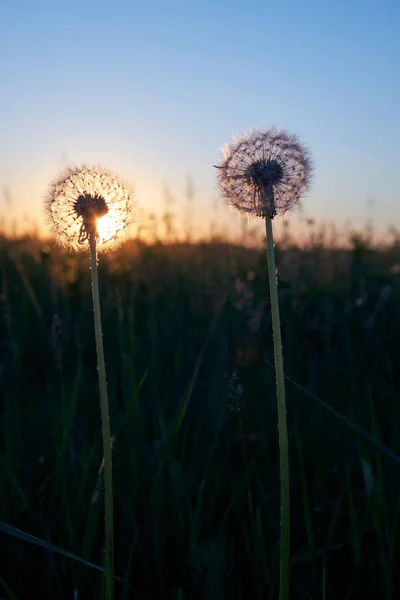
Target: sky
[{"x": 154, "y": 89}]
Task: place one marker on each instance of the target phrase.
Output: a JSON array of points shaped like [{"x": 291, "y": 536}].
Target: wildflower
[
  {"x": 88, "y": 201},
  {"x": 89, "y": 207},
  {"x": 264, "y": 173},
  {"x": 395, "y": 269},
  {"x": 235, "y": 394}
]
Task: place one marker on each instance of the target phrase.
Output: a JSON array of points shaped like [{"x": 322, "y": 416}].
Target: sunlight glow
[{"x": 107, "y": 227}]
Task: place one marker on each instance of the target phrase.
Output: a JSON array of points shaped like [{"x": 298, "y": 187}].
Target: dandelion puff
[
  {"x": 89, "y": 207},
  {"x": 84, "y": 202},
  {"x": 264, "y": 173}
]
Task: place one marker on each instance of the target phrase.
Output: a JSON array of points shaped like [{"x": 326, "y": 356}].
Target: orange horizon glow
[
  {"x": 190, "y": 219},
  {"x": 150, "y": 228}
]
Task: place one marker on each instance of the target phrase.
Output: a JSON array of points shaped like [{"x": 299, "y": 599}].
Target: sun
[{"x": 107, "y": 227}]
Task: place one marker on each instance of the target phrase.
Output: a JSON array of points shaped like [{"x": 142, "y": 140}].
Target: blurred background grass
[{"x": 189, "y": 358}]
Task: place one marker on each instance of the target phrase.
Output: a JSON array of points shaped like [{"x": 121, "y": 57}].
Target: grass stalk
[
  {"x": 282, "y": 420},
  {"x": 105, "y": 418}
]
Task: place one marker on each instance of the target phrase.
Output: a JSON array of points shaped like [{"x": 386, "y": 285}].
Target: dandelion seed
[
  {"x": 85, "y": 202},
  {"x": 89, "y": 207},
  {"x": 264, "y": 173}
]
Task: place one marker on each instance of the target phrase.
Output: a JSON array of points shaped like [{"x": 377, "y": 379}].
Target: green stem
[
  {"x": 105, "y": 418},
  {"x": 282, "y": 422}
]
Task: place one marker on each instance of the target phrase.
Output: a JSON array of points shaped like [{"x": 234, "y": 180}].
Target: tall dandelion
[
  {"x": 265, "y": 173},
  {"x": 89, "y": 208}
]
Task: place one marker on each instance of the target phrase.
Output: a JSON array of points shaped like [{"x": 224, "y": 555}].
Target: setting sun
[{"x": 106, "y": 227}]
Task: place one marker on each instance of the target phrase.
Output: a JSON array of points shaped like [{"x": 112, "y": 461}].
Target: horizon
[{"x": 292, "y": 230}]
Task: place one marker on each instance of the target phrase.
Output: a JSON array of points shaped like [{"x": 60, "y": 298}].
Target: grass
[{"x": 189, "y": 354}]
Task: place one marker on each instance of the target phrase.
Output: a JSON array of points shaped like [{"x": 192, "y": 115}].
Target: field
[{"x": 188, "y": 345}]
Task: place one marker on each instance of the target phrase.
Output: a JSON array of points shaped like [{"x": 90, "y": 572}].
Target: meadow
[{"x": 188, "y": 344}]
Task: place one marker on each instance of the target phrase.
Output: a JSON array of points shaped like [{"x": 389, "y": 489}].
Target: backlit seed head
[
  {"x": 89, "y": 202},
  {"x": 264, "y": 173}
]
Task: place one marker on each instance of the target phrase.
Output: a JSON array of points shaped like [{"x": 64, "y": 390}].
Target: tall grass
[{"x": 189, "y": 354}]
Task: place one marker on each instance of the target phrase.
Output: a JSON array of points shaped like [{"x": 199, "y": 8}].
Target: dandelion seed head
[
  {"x": 89, "y": 201},
  {"x": 264, "y": 173}
]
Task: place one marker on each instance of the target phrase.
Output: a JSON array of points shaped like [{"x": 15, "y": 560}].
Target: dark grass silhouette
[{"x": 196, "y": 479}]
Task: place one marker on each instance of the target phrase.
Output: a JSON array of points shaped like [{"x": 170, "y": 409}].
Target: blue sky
[{"x": 153, "y": 89}]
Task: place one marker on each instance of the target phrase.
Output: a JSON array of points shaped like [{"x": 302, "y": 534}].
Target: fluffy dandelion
[
  {"x": 90, "y": 209},
  {"x": 265, "y": 173},
  {"x": 89, "y": 203}
]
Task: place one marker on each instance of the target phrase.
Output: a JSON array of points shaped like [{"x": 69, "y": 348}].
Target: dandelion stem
[
  {"x": 105, "y": 418},
  {"x": 282, "y": 421}
]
